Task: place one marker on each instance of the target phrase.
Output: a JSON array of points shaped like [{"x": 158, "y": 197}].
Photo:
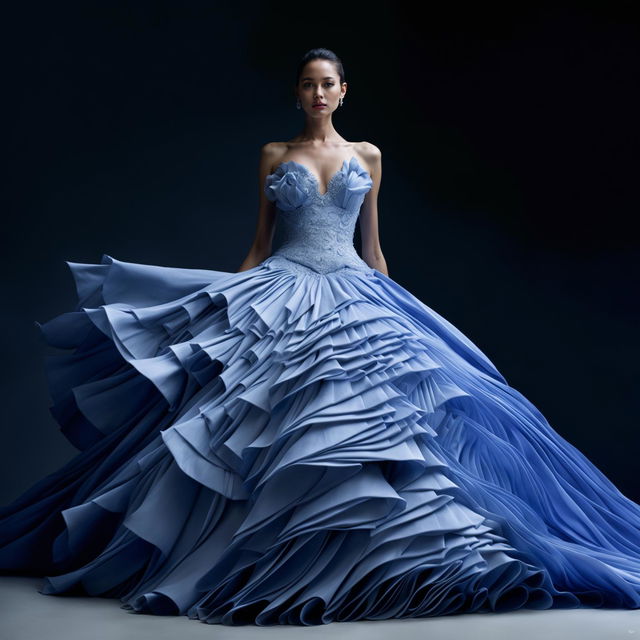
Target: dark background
[{"x": 510, "y": 178}]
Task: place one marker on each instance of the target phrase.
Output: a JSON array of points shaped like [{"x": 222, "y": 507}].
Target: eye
[{"x": 306, "y": 84}]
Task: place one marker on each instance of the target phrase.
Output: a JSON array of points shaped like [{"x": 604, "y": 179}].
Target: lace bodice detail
[{"x": 318, "y": 228}]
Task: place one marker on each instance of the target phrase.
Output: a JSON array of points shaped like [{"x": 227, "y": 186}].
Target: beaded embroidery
[{"x": 317, "y": 229}]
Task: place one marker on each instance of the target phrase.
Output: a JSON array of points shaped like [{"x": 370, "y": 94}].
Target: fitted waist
[{"x": 325, "y": 259}]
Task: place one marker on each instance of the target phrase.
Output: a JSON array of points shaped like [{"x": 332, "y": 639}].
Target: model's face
[{"x": 320, "y": 84}]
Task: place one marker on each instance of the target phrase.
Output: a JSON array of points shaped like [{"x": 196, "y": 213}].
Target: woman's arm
[
  {"x": 265, "y": 228},
  {"x": 371, "y": 250}
]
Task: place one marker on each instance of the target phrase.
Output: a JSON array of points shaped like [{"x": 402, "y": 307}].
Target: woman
[{"x": 304, "y": 441}]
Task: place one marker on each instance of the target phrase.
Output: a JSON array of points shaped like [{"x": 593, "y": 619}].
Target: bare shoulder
[
  {"x": 370, "y": 154},
  {"x": 368, "y": 149},
  {"x": 271, "y": 152}
]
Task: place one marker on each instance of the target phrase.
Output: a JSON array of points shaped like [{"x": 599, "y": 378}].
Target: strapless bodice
[{"x": 318, "y": 228}]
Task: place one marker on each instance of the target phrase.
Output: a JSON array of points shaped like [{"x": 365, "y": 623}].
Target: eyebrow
[{"x": 325, "y": 78}]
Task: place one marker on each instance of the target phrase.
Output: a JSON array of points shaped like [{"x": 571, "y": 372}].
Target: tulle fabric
[{"x": 279, "y": 446}]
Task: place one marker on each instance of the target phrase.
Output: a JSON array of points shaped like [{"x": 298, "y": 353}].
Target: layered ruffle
[{"x": 279, "y": 446}]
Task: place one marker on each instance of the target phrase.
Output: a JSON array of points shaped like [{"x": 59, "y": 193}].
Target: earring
[
  {"x": 298, "y": 105},
  {"x": 340, "y": 100}
]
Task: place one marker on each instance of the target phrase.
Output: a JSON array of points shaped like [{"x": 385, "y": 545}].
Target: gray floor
[{"x": 25, "y": 613}]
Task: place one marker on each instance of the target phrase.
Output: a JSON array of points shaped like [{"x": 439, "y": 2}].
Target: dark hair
[{"x": 325, "y": 54}]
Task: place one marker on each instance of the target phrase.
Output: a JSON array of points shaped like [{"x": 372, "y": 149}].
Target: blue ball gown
[{"x": 304, "y": 442}]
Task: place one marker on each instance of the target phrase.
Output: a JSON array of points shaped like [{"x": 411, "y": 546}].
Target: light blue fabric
[
  {"x": 318, "y": 228},
  {"x": 304, "y": 442}
]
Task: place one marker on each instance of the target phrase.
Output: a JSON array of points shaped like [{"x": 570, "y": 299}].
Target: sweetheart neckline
[{"x": 315, "y": 178}]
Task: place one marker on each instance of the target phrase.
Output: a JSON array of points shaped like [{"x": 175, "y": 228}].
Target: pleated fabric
[{"x": 281, "y": 446}]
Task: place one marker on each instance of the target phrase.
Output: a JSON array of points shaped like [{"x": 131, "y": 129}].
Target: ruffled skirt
[{"x": 279, "y": 446}]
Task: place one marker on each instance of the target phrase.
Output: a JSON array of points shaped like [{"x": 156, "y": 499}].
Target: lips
[{"x": 319, "y": 104}]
